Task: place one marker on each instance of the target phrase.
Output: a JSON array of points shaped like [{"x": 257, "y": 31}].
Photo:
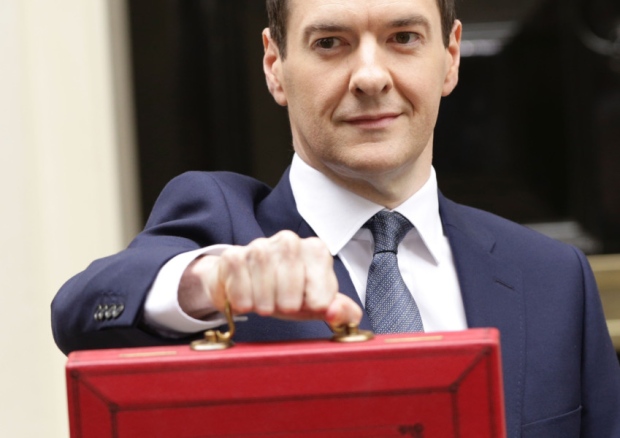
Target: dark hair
[{"x": 277, "y": 11}]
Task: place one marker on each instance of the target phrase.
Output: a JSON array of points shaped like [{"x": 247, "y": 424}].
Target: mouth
[{"x": 372, "y": 121}]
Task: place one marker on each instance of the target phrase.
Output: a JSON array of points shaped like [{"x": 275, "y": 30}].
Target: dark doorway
[{"x": 531, "y": 133}]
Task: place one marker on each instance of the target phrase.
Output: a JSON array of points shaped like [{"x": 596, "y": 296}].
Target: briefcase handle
[{"x": 216, "y": 340}]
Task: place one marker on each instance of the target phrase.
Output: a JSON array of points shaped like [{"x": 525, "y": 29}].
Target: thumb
[{"x": 343, "y": 310}]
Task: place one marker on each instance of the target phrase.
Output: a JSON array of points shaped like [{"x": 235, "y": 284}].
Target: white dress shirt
[{"x": 337, "y": 216}]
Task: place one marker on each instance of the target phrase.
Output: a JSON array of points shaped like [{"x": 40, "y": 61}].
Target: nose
[{"x": 370, "y": 76}]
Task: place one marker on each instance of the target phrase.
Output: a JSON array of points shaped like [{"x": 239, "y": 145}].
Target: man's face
[{"x": 362, "y": 80}]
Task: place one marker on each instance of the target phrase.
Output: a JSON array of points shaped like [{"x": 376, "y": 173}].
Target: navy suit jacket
[{"x": 561, "y": 375}]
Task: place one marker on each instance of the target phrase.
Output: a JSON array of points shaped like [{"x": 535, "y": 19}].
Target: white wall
[{"x": 67, "y": 185}]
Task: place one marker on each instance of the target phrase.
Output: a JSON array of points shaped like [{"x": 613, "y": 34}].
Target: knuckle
[
  {"x": 257, "y": 252},
  {"x": 331, "y": 283},
  {"x": 264, "y": 309},
  {"x": 286, "y": 235},
  {"x": 316, "y": 301},
  {"x": 316, "y": 246},
  {"x": 284, "y": 246},
  {"x": 240, "y": 310},
  {"x": 232, "y": 259},
  {"x": 288, "y": 308},
  {"x": 240, "y": 305},
  {"x": 256, "y": 258},
  {"x": 289, "y": 304},
  {"x": 256, "y": 244},
  {"x": 288, "y": 242}
]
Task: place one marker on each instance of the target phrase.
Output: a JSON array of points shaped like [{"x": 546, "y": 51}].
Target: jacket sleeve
[{"x": 101, "y": 307}]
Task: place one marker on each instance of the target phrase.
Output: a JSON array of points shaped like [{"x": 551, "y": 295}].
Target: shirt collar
[{"x": 336, "y": 214}]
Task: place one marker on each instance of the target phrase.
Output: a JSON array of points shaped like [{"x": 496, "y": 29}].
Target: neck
[
  {"x": 389, "y": 194},
  {"x": 389, "y": 188}
]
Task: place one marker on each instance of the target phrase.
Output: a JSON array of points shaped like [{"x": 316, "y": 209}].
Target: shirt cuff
[{"x": 162, "y": 311}]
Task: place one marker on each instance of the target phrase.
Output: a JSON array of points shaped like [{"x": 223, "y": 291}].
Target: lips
[{"x": 372, "y": 121}]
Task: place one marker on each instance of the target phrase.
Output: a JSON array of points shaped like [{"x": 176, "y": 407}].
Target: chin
[{"x": 368, "y": 168}]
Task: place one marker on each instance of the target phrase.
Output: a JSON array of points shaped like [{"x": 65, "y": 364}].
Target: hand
[{"x": 282, "y": 276}]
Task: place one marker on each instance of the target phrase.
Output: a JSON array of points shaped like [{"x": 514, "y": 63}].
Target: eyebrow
[
  {"x": 413, "y": 20},
  {"x": 333, "y": 27},
  {"x": 325, "y": 28}
]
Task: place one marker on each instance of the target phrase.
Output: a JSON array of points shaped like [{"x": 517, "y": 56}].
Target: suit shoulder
[
  {"x": 197, "y": 192},
  {"x": 511, "y": 238},
  {"x": 219, "y": 180},
  {"x": 198, "y": 185}
]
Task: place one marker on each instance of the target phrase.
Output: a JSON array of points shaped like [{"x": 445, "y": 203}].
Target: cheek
[
  {"x": 422, "y": 90},
  {"x": 423, "y": 77},
  {"x": 314, "y": 98}
]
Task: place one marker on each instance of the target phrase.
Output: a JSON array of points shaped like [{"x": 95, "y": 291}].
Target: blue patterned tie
[{"x": 389, "y": 303}]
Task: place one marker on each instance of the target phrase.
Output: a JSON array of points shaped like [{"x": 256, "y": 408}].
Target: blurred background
[{"x": 103, "y": 101}]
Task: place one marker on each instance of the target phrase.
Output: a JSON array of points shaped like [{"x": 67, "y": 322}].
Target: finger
[
  {"x": 235, "y": 277},
  {"x": 216, "y": 288},
  {"x": 321, "y": 284},
  {"x": 289, "y": 279},
  {"x": 261, "y": 261},
  {"x": 343, "y": 310}
]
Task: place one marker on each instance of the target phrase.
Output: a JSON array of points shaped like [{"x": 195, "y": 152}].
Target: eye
[
  {"x": 406, "y": 37},
  {"x": 327, "y": 43}
]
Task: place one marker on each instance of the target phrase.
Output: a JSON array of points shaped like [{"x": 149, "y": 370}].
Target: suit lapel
[
  {"x": 492, "y": 296},
  {"x": 278, "y": 212}
]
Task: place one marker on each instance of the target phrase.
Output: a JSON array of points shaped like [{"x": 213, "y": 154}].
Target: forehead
[{"x": 370, "y": 13}]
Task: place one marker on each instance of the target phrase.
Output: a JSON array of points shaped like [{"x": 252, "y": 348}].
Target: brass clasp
[
  {"x": 351, "y": 333},
  {"x": 215, "y": 339}
]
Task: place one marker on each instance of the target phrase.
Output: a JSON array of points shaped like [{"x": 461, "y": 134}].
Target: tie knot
[{"x": 388, "y": 228}]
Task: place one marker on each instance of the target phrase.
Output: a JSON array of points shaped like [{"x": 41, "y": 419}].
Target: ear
[
  {"x": 272, "y": 65},
  {"x": 453, "y": 59}
]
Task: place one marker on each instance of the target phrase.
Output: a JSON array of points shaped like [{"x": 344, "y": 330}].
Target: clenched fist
[{"x": 282, "y": 276}]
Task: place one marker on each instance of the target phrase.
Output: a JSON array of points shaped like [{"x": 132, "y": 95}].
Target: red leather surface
[{"x": 418, "y": 385}]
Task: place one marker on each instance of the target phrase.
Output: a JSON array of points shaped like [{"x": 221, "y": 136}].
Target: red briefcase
[{"x": 403, "y": 385}]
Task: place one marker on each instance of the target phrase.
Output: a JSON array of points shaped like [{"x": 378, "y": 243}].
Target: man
[{"x": 362, "y": 81}]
